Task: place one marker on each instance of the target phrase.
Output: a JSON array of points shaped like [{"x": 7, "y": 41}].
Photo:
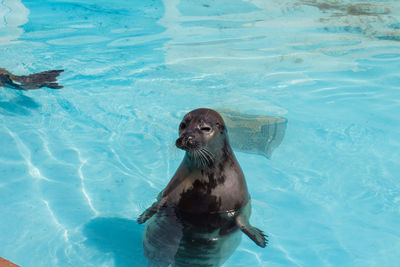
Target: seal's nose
[
  {"x": 185, "y": 141},
  {"x": 179, "y": 142},
  {"x": 190, "y": 141}
]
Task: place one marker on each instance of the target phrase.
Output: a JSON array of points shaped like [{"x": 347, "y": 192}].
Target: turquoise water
[{"x": 78, "y": 165}]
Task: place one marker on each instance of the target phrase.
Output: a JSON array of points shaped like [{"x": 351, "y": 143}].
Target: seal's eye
[
  {"x": 182, "y": 126},
  {"x": 206, "y": 129}
]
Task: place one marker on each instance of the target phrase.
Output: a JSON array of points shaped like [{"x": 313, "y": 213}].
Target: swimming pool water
[{"x": 78, "y": 165}]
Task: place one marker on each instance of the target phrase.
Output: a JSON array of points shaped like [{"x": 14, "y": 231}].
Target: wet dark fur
[
  {"x": 32, "y": 81},
  {"x": 196, "y": 220}
]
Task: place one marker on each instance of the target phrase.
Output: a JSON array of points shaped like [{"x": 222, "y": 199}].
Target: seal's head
[{"x": 202, "y": 133}]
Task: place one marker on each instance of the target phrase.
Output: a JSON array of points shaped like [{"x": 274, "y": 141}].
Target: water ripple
[
  {"x": 26, "y": 154},
  {"x": 82, "y": 178},
  {"x": 56, "y": 222}
]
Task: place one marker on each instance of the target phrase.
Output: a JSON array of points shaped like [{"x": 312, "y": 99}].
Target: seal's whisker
[
  {"x": 209, "y": 154},
  {"x": 202, "y": 163},
  {"x": 203, "y": 158},
  {"x": 210, "y": 158},
  {"x": 206, "y": 152},
  {"x": 198, "y": 159},
  {"x": 206, "y": 157}
]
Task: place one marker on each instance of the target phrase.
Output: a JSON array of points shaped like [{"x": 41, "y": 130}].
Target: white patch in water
[{"x": 13, "y": 14}]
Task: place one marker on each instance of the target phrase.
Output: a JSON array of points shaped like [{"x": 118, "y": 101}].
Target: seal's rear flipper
[
  {"x": 252, "y": 232},
  {"x": 29, "y": 82},
  {"x": 39, "y": 80}
]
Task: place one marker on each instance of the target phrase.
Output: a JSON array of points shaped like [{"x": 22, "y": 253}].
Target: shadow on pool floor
[
  {"x": 19, "y": 105},
  {"x": 121, "y": 237}
]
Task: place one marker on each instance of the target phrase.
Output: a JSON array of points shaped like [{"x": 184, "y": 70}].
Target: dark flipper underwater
[{"x": 32, "y": 81}]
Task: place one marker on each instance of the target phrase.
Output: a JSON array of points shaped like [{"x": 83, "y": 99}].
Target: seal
[
  {"x": 198, "y": 218},
  {"x": 30, "y": 82}
]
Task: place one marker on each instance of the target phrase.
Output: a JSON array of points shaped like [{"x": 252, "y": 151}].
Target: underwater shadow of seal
[
  {"x": 121, "y": 237},
  {"x": 19, "y": 105}
]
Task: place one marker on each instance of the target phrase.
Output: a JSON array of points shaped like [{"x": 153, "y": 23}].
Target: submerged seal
[
  {"x": 30, "y": 82},
  {"x": 197, "y": 218}
]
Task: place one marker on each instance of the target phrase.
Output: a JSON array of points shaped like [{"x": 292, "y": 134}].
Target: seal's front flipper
[
  {"x": 148, "y": 213},
  {"x": 254, "y": 233}
]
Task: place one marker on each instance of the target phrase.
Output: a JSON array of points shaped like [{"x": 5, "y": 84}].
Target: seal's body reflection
[{"x": 197, "y": 217}]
